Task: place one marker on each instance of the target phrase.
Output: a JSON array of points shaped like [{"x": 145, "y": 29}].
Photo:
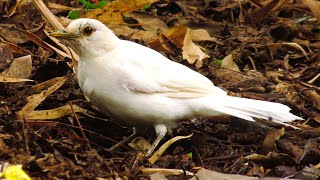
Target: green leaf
[
  {"x": 89, "y": 5},
  {"x": 147, "y": 6},
  {"x": 189, "y": 154},
  {"x": 218, "y": 61},
  {"x": 102, "y": 3},
  {"x": 74, "y": 14}
]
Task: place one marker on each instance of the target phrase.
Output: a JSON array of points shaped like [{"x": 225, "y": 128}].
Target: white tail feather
[{"x": 248, "y": 108}]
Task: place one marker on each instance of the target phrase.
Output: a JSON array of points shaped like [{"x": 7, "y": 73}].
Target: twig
[
  {"x": 25, "y": 129},
  {"x": 229, "y": 157},
  {"x": 80, "y": 127},
  {"x": 47, "y": 14}
]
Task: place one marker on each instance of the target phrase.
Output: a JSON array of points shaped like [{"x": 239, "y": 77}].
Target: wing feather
[{"x": 163, "y": 76}]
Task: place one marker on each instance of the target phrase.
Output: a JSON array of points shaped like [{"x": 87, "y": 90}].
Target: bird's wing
[
  {"x": 153, "y": 73},
  {"x": 184, "y": 82}
]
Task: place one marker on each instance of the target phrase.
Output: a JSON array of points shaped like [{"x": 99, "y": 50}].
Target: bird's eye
[{"x": 87, "y": 30}]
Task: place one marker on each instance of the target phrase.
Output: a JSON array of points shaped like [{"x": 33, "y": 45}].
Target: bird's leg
[
  {"x": 161, "y": 131},
  {"x": 124, "y": 142}
]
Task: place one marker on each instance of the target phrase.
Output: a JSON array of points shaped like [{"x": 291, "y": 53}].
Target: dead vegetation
[{"x": 267, "y": 50}]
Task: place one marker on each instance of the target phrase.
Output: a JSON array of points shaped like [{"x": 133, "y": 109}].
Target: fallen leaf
[
  {"x": 166, "y": 172},
  {"x": 314, "y": 7},
  {"x": 4, "y": 78},
  {"x": 201, "y": 35},
  {"x": 204, "y": 174},
  {"x": 140, "y": 144},
  {"x": 54, "y": 113},
  {"x": 228, "y": 63},
  {"x": 149, "y": 22},
  {"x": 290, "y": 148},
  {"x": 311, "y": 172},
  {"x": 20, "y": 67},
  {"x": 311, "y": 153},
  {"x": 269, "y": 141},
  {"x": 272, "y": 159},
  {"x": 6, "y": 56},
  {"x": 112, "y": 13},
  {"x": 263, "y": 12},
  {"x": 36, "y": 99},
  {"x": 165, "y": 146},
  {"x": 135, "y": 34},
  {"x": 12, "y": 34},
  {"x": 57, "y": 6},
  {"x": 191, "y": 52},
  {"x": 16, "y": 48},
  {"x": 175, "y": 35},
  {"x": 157, "y": 176}
]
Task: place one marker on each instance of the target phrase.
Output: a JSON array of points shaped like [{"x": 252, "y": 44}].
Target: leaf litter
[{"x": 267, "y": 50}]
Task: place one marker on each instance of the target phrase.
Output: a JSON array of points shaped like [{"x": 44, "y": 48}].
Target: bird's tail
[{"x": 248, "y": 108}]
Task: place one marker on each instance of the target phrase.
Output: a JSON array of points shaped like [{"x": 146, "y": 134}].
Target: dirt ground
[{"x": 260, "y": 49}]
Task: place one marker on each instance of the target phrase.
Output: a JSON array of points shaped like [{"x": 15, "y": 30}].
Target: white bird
[{"x": 139, "y": 86}]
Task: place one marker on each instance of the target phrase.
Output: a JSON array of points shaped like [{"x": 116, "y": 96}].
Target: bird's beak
[{"x": 63, "y": 34}]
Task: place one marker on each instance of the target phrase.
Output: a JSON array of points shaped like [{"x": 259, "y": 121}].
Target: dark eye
[{"x": 87, "y": 30}]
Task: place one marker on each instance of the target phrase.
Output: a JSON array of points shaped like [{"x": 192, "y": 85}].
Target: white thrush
[{"x": 139, "y": 86}]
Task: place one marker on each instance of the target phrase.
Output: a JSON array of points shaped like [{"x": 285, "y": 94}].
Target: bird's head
[{"x": 88, "y": 36}]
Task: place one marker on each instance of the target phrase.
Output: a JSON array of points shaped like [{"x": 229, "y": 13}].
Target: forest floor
[{"x": 260, "y": 49}]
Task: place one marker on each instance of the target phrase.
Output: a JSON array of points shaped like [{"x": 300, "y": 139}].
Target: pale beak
[{"x": 63, "y": 34}]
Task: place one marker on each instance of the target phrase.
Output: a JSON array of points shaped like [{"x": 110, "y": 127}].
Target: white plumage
[{"x": 140, "y": 86}]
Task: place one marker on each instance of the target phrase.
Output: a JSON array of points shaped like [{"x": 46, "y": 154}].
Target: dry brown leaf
[
  {"x": 191, "y": 52},
  {"x": 112, "y": 13},
  {"x": 268, "y": 8},
  {"x": 6, "y": 56},
  {"x": 228, "y": 63},
  {"x": 157, "y": 176},
  {"x": 12, "y": 34},
  {"x": 12, "y": 79},
  {"x": 297, "y": 46},
  {"x": 124, "y": 30},
  {"x": 312, "y": 95},
  {"x": 47, "y": 14},
  {"x": 34, "y": 38},
  {"x": 314, "y": 79},
  {"x": 68, "y": 52},
  {"x": 272, "y": 159},
  {"x": 16, "y": 48},
  {"x": 36, "y": 99},
  {"x": 164, "y": 147},
  {"x": 57, "y": 6},
  {"x": 290, "y": 148},
  {"x": 312, "y": 172},
  {"x": 166, "y": 172},
  {"x": 314, "y": 6},
  {"x": 204, "y": 174},
  {"x": 149, "y": 22},
  {"x": 20, "y": 67},
  {"x": 175, "y": 35},
  {"x": 274, "y": 46},
  {"x": 34, "y": 89},
  {"x": 167, "y": 44},
  {"x": 140, "y": 144},
  {"x": 201, "y": 35},
  {"x": 311, "y": 152},
  {"x": 14, "y": 7},
  {"x": 317, "y": 119},
  {"x": 269, "y": 141},
  {"x": 54, "y": 113},
  {"x": 46, "y": 84}
]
